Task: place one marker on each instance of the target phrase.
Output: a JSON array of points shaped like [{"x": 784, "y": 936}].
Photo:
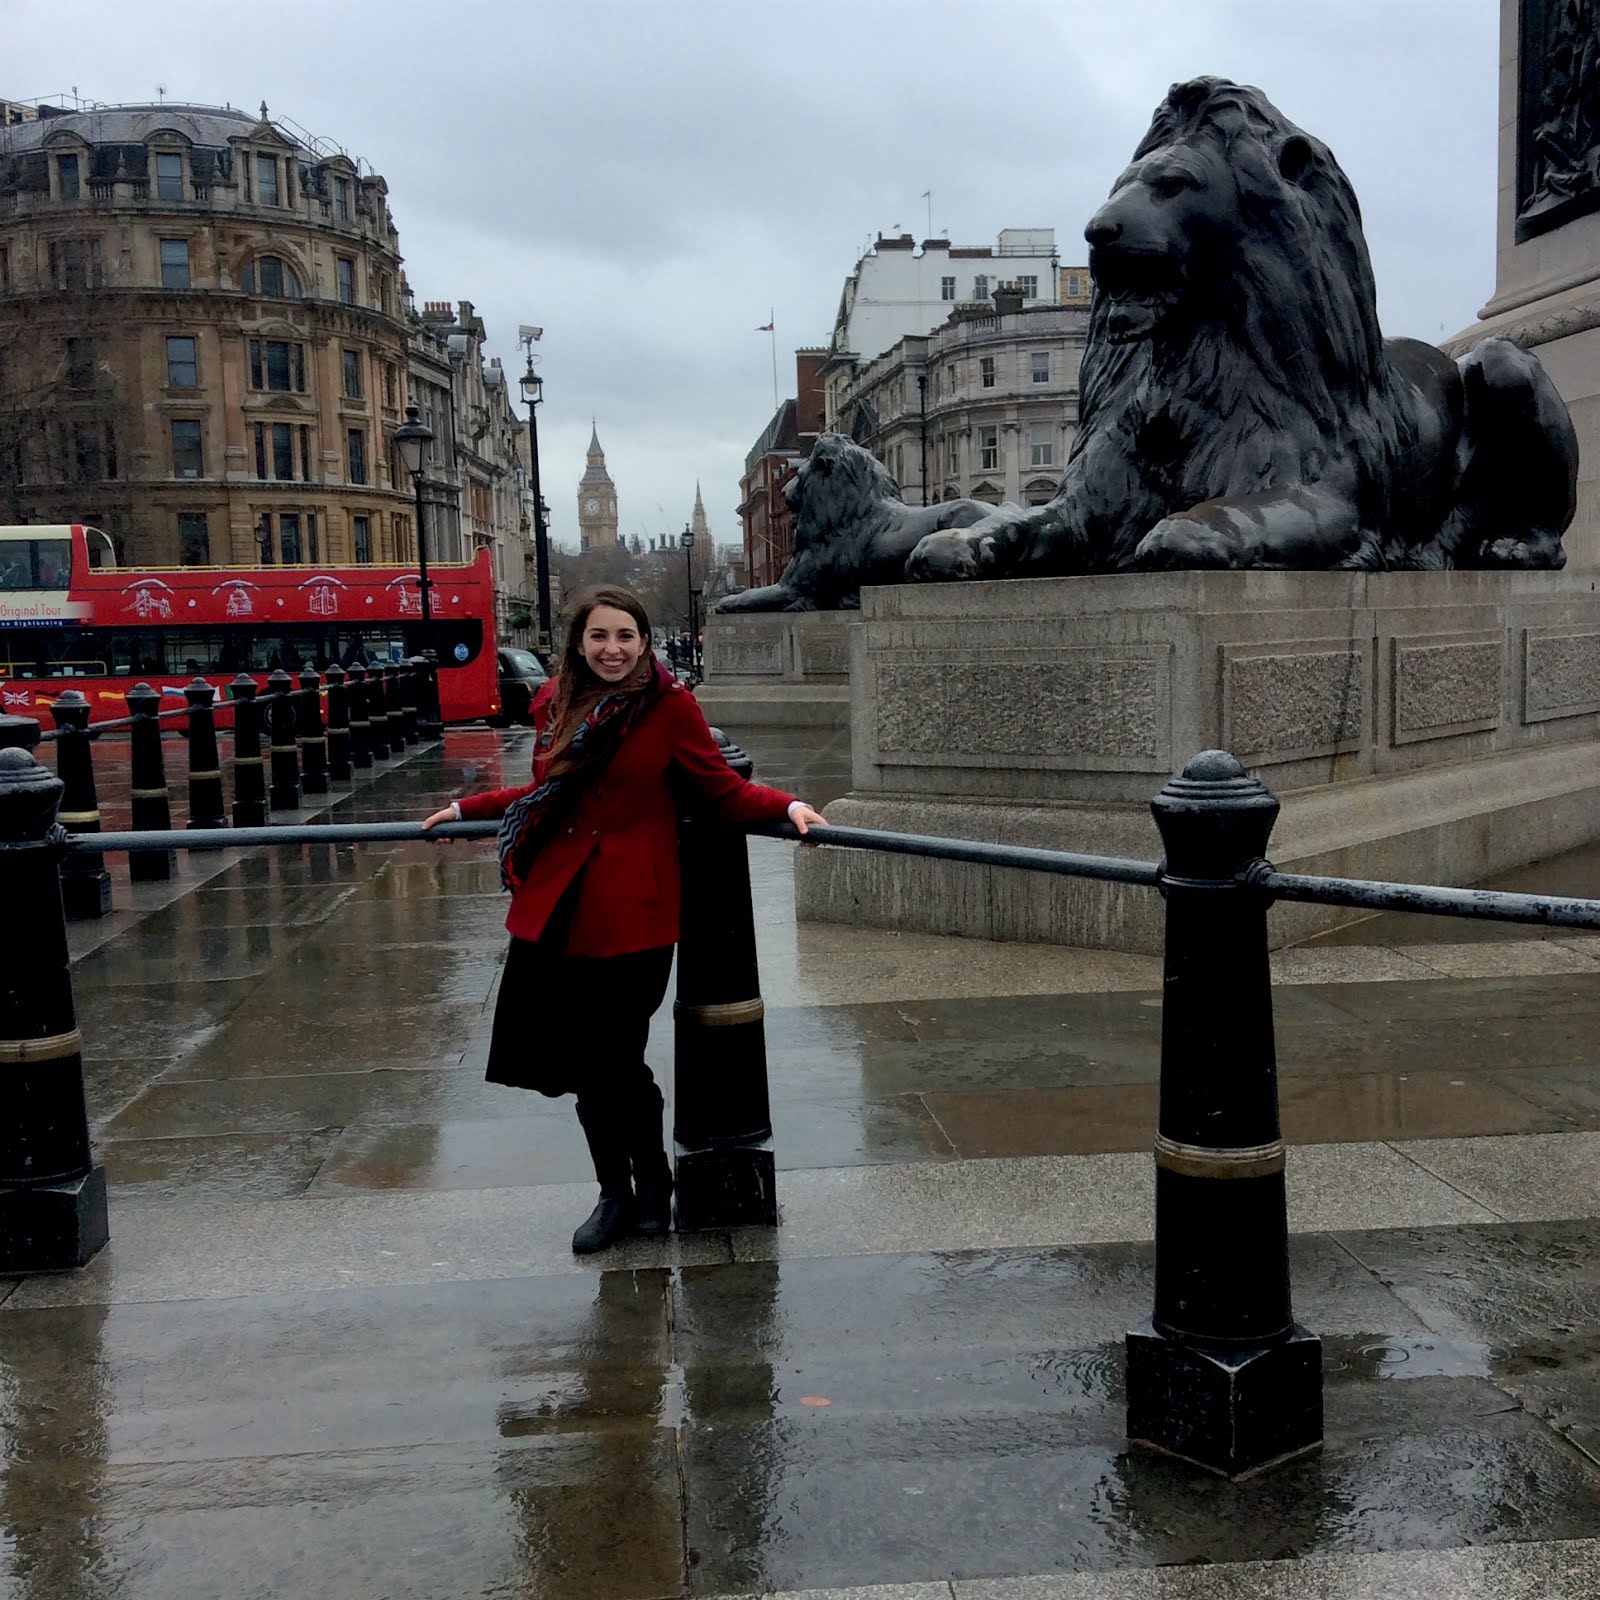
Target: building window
[
  {"x": 270, "y": 276},
  {"x": 289, "y": 538},
  {"x": 986, "y": 372},
  {"x": 358, "y": 454},
  {"x": 947, "y": 288},
  {"x": 183, "y": 365},
  {"x": 80, "y": 363},
  {"x": 341, "y": 199},
  {"x": 283, "y": 452},
  {"x": 194, "y": 539},
  {"x": 1029, "y": 286},
  {"x": 361, "y": 536},
  {"x": 5, "y": 267},
  {"x": 953, "y": 459},
  {"x": 67, "y": 176},
  {"x": 267, "y": 180},
  {"x": 75, "y": 263},
  {"x": 305, "y": 454},
  {"x": 345, "y": 270},
  {"x": 1041, "y": 445},
  {"x": 174, "y": 263},
  {"x": 85, "y": 444},
  {"x": 278, "y": 365},
  {"x": 389, "y": 386},
  {"x": 352, "y": 374},
  {"x": 1074, "y": 285},
  {"x": 169, "y": 176},
  {"x": 1041, "y": 366},
  {"x": 989, "y": 449},
  {"x": 980, "y": 286},
  {"x": 187, "y": 458}
]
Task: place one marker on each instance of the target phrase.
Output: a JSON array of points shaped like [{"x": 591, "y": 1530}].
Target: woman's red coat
[{"x": 623, "y": 836}]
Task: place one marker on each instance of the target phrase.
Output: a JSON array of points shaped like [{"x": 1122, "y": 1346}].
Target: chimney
[{"x": 1007, "y": 298}]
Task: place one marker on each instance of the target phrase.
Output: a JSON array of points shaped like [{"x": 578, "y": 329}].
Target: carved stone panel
[
  {"x": 1442, "y": 689},
  {"x": 1287, "y": 701},
  {"x": 1558, "y": 114},
  {"x": 1561, "y": 675},
  {"x": 822, "y": 655},
  {"x": 751, "y": 657},
  {"x": 1073, "y": 707}
]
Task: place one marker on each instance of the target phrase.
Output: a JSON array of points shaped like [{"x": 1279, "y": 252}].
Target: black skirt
[{"x": 567, "y": 1023}]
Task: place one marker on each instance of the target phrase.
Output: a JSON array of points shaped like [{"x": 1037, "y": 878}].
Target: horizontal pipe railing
[{"x": 1484, "y": 905}]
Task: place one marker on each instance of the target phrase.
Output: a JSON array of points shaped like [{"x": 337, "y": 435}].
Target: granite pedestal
[
  {"x": 1434, "y": 727},
  {"x": 778, "y": 669}
]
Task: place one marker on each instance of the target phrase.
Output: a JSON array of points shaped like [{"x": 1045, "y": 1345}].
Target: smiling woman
[{"x": 589, "y": 852}]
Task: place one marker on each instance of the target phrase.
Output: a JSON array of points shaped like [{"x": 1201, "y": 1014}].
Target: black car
[{"x": 521, "y": 678}]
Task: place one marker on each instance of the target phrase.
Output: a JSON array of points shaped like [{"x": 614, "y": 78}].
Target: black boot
[
  {"x": 613, "y": 1218},
  {"x": 652, "y": 1172}
]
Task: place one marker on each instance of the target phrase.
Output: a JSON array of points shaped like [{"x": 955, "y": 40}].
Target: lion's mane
[{"x": 1293, "y": 322}]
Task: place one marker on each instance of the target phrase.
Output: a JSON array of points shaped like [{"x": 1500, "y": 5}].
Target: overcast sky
[{"x": 648, "y": 179}]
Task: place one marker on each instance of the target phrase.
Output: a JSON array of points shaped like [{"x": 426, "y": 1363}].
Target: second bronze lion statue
[
  {"x": 851, "y": 526},
  {"x": 1239, "y": 406}
]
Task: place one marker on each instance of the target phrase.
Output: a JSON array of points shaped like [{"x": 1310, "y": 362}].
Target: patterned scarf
[{"x": 529, "y": 822}]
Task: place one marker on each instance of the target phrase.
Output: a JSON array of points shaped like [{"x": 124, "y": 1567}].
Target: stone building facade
[
  {"x": 772, "y": 461},
  {"x": 203, "y": 346},
  {"x": 989, "y": 401}
]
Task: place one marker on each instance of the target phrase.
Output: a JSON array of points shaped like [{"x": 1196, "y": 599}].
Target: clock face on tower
[{"x": 591, "y": 506}]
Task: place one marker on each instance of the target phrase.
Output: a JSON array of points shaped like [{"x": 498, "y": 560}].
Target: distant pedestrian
[{"x": 589, "y": 853}]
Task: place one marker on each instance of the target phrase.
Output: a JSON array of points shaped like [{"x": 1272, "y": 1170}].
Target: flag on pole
[{"x": 766, "y": 327}]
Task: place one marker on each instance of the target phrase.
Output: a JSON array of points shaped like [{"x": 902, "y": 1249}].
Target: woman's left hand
[{"x": 804, "y": 819}]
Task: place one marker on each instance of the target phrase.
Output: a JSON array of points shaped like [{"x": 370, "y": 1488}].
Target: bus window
[
  {"x": 35, "y": 563},
  {"x": 102, "y": 553}
]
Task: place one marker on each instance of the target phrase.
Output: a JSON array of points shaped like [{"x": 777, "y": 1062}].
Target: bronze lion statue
[
  {"x": 1239, "y": 406},
  {"x": 851, "y": 526}
]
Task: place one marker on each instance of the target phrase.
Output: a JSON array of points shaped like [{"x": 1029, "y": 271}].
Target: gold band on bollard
[
  {"x": 196, "y": 777},
  {"x": 1202, "y": 1161},
  {"x": 53, "y": 1047},
  {"x": 247, "y": 761},
  {"x": 78, "y": 818},
  {"x": 147, "y": 794},
  {"x": 727, "y": 1014}
]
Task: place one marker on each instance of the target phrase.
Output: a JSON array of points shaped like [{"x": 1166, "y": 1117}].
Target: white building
[{"x": 897, "y": 291}]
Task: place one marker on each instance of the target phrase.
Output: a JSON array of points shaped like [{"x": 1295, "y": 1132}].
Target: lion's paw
[
  {"x": 1509, "y": 553},
  {"x": 1176, "y": 543},
  {"x": 950, "y": 554}
]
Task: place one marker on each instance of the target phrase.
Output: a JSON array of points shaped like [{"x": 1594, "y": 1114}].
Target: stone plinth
[
  {"x": 778, "y": 669},
  {"x": 1547, "y": 291},
  {"x": 1435, "y": 727}
]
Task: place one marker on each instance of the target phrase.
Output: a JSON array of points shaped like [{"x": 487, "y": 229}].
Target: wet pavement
[{"x": 338, "y": 1344}]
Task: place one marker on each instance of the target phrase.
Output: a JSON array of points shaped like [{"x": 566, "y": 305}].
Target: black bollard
[
  {"x": 377, "y": 712},
  {"x": 250, "y": 808},
  {"x": 430, "y": 722},
  {"x": 722, "y": 1119},
  {"x": 151, "y": 807},
  {"x": 394, "y": 708},
  {"x": 408, "y": 702},
  {"x": 206, "y": 808},
  {"x": 18, "y": 733},
  {"x": 281, "y": 722},
  {"x": 52, "y": 1194},
  {"x": 338, "y": 725},
  {"x": 313, "y": 739},
  {"x": 85, "y": 883},
  {"x": 1221, "y": 1375},
  {"x": 360, "y": 719}
]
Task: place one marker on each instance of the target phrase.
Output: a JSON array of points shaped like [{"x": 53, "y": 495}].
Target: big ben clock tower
[{"x": 597, "y": 501}]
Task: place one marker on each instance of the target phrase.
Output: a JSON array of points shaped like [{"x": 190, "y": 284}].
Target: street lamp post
[
  {"x": 688, "y": 575},
  {"x": 413, "y": 437},
  {"x": 922, "y": 405},
  {"x": 532, "y": 386}
]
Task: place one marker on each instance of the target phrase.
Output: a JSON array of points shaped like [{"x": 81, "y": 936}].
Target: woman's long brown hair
[{"x": 578, "y": 688}]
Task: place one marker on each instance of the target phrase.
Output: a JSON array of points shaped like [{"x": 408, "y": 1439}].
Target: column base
[
  {"x": 1232, "y": 1412},
  {"x": 430, "y": 731},
  {"x": 151, "y": 866},
  {"x": 54, "y": 1227},
  {"x": 86, "y": 894},
  {"x": 734, "y": 1187}
]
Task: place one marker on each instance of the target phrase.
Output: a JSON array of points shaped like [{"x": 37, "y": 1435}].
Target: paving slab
[{"x": 1536, "y": 1176}]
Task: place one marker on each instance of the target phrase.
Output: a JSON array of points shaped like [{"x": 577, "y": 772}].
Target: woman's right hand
[{"x": 447, "y": 815}]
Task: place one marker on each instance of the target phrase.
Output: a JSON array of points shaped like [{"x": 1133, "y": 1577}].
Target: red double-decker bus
[{"x": 70, "y": 618}]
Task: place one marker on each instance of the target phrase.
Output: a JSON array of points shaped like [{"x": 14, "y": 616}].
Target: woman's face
[{"x": 612, "y": 644}]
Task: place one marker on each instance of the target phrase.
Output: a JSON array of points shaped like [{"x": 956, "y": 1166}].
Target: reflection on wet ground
[{"x": 302, "y": 1032}]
